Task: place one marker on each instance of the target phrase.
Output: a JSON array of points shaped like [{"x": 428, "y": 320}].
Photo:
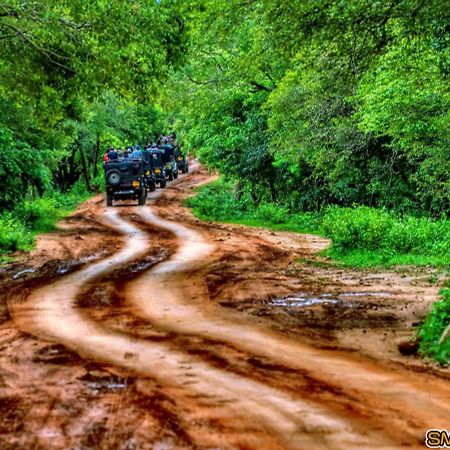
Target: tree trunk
[
  {"x": 84, "y": 165},
  {"x": 96, "y": 155},
  {"x": 273, "y": 191}
]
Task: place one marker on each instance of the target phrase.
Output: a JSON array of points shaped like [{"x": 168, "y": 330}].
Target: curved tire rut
[
  {"x": 50, "y": 313},
  {"x": 171, "y": 296}
]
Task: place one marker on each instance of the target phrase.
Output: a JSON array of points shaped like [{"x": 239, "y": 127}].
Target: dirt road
[{"x": 143, "y": 328}]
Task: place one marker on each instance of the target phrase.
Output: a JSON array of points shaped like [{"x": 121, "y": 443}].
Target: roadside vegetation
[
  {"x": 74, "y": 80},
  {"x": 32, "y": 216},
  {"x": 331, "y": 117},
  {"x": 434, "y": 334},
  {"x": 361, "y": 236}
]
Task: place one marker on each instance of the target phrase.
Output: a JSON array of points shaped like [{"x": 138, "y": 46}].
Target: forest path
[{"x": 157, "y": 345}]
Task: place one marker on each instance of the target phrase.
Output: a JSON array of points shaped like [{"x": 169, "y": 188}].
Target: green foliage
[
  {"x": 432, "y": 329},
  {"x": 217, "y": 201},
  {"x": 36, "y": 215},
  {"x": 271, "y": 213},
  {"x": 318, "y": 103},
  {"x": 364, "y": 228},
  {"x": 361, "y": 236},
  {"x": 225, "y": 202},
  {"x": 13, "y": 235},
  {"x": 20, "y": 167}
]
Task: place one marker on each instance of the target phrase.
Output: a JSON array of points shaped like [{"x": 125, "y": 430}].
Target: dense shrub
[
  {"x": 373, "y": 229},
  {"x": 36, "y": 215},
  {"x": 431, "y": 331},
  {"x": 219, "y": 201},
  {"x": 357, "y": 228},
  {"x": 13, "y": 235},
  {"x": 39, "y": 214},
  {"x": 271, "y": 213}
]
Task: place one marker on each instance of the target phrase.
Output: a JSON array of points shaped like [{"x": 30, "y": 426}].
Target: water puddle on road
[
  {"x": 365, "y": 294},
  {"x": 304, "y": 300},
  {"x": 23, "y": 273}
]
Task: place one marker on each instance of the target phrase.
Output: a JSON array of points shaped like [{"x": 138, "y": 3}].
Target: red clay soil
[{"x": 144, "y": 328}]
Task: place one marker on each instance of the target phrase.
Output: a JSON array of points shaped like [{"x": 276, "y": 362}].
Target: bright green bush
[
  {"x": 364, "y": 228},
  {"x": 39, "y": 214},
  {"x": 271, "y": 213},
  {"x": 306, "y": 222},
  {"x": 218, "y": 201},
  {"x": 36, "y": 215},
  {"x": 431, "y": 331},
  {"x": 13, "y": 235},
  {"x": 357, "y": 228}
]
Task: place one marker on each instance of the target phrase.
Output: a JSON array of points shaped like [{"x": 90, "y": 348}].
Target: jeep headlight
[{"x": 136, "y": 184}]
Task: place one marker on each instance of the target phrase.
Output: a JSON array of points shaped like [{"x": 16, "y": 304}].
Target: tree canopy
[
  {"x": 318, "y": 102},
  {"x": 308, "y": 102}
]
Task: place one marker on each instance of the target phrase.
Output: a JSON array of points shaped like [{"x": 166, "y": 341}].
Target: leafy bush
[
  {"x": 217, "y": 201},
  {"x": 13, "y": 235},
  {"x": 357, "y": 228},
  {"x": 306, "y": 222},
  {"x": 39, "y": 214},
  {"x": 431, "y": 331},
  {"x": 271, "y": 213},
  {"x": 373, "y": 229},
  {"x": 36, "y": 215},
  {"x": 220, "y": 201}
]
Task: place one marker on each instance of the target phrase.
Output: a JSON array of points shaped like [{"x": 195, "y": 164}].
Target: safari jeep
[
  {"x": 155, "y": 158},
  {"x": 125, "y": 180},
  {"x": 181, "y": 160},
  {"x": 170, "y": 165}
]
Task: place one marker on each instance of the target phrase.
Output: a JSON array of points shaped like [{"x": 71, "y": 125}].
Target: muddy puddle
[{"x": 305, "y": 300}]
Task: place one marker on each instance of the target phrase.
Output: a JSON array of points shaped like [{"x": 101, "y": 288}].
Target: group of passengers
[{"x": 114, "y": 154}]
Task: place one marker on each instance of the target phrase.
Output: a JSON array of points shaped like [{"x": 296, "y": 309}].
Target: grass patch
[
  {"x": 362, "y": 237},
  {"x": 219, "y": 202},
  {"x": 361, "y": 259},
  {"x": 19, "y": 227},
  {"x": 432, "y": 329}
]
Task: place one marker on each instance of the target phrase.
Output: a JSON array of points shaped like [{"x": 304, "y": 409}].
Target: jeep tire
[
  {"x": 142, "y": 197},
  {"x": 113, "y": 177}
]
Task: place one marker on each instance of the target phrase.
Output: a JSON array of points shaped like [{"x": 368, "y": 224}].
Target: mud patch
[
  {"x": 101, "y": 381},
  {"x": 12, "y": 414},
  {"x": 163, "y": 409},
  {"x": 106, "y": 291},
  {"x": 57, "y": 354}
]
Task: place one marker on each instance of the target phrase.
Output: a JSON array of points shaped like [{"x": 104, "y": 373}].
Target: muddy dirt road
[{"x": 143, "y": 328}]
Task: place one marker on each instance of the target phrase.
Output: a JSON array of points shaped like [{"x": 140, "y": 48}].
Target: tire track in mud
[
  {"x": 49, "y": 313},
  {"x": 176, "y": 302}
]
